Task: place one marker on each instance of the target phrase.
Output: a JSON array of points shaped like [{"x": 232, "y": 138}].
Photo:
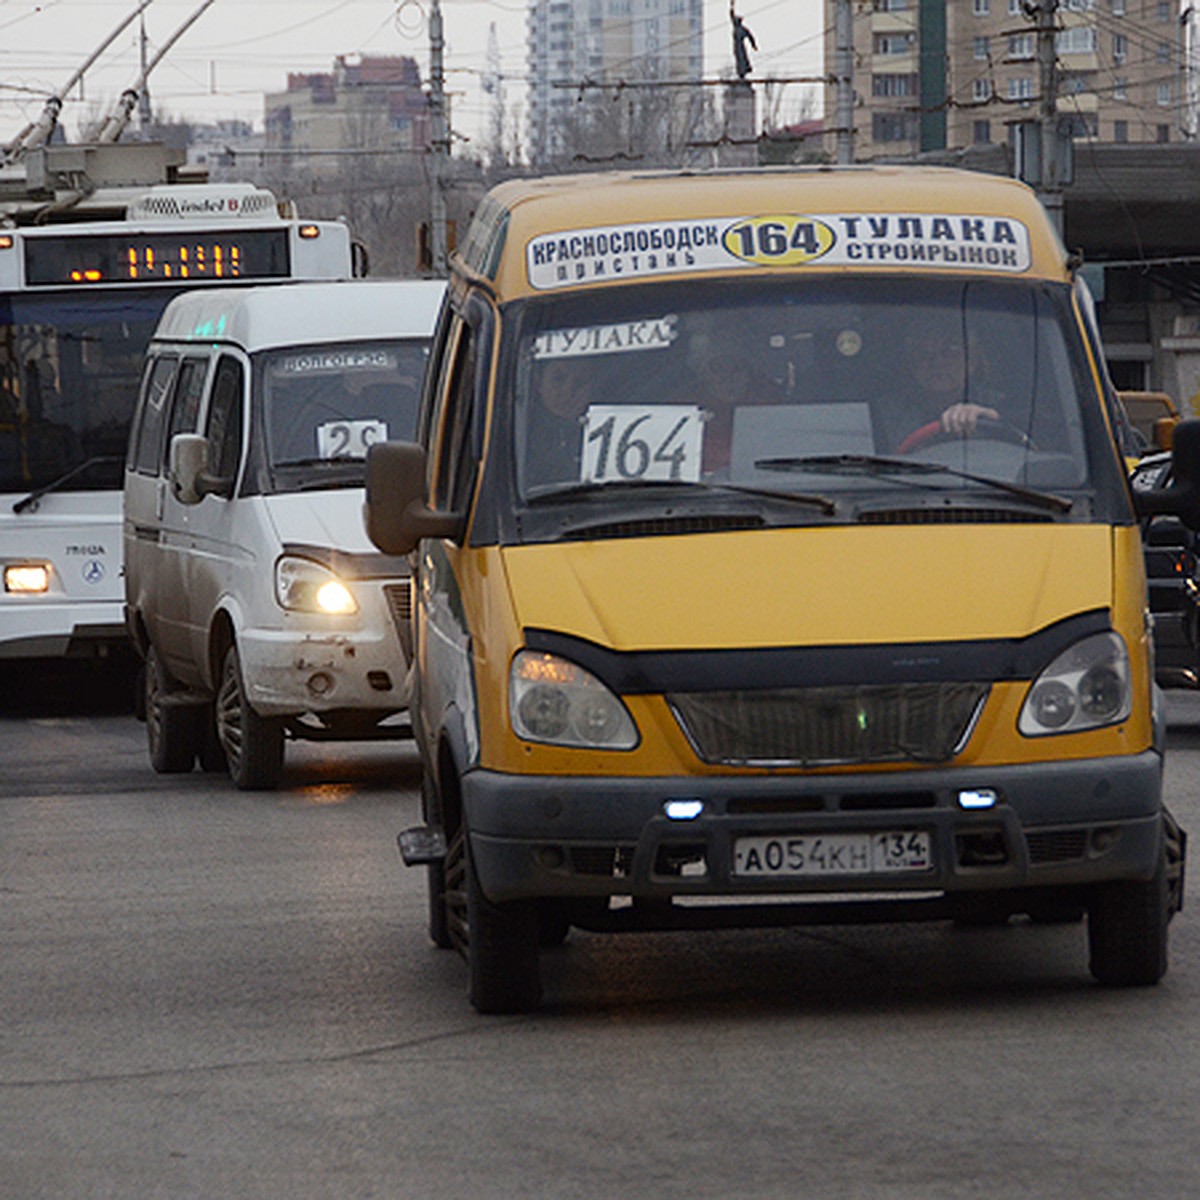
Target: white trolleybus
[{"x": 79, "y": 299}]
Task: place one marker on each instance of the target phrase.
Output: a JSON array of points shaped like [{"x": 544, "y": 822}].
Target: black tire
[
  {"x": 253, "y": 745},
  {"x": 439, "y": 922},
  {"x": 139, "y": 692},
  {"x": 502, "y": 950},
  {"x": 211, "y": 753},
  {"x": 171, "y": 736},
  {"x": 1127, "y": 931},
  {"x": 554, "y": 925}
]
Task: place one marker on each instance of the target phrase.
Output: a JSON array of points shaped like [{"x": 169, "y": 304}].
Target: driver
[{"x": 939, "y": 373}]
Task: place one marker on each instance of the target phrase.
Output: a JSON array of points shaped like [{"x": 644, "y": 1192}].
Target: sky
[{"x": 240, "y": 49}]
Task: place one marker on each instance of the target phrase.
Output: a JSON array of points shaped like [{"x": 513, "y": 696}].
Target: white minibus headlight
[
  {"x": 27, "y": 579},
  {"x": 1085, "y": 687},
  {"x": 306, "y": 586},
  {"x": 553, "y": 700}
]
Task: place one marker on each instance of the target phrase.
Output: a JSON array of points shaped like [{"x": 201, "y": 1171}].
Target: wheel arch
[
  {"x": 452, "y": 761},
  {"x": 221, "y": 635}
]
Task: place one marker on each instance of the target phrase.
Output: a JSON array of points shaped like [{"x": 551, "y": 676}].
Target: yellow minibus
[{"x": 774, "y": 561}]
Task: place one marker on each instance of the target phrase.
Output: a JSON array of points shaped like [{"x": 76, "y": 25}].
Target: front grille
[
  {"x": 399, "y": 602},
  {"x": 925, "y": 722},
  {"x": 1057, "y": 845},
  {"x": 602, "y": 860}
]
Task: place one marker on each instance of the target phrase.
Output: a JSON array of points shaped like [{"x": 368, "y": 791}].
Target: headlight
[
  {"x": 553, "y": 700},
  {"x": 1085, "y": 687},
  {"x": 307, "y": 586},
  {"x": 31, "y": 579}
]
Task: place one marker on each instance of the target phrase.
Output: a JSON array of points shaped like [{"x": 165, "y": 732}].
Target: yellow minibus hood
[{"x": 813, "y": 586}]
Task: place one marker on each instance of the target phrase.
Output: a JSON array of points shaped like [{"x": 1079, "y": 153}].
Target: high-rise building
[
  {"x": 632, "y": 47},
  {"x": 934, "y": 74}
]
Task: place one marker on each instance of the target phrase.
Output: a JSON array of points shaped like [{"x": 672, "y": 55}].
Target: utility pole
[
  {"x": 844, "y": 68},
  {"x": 144, "y": 114},
  {"x": 1050, "y": 187},
  {"x": 439, "y": 142}
]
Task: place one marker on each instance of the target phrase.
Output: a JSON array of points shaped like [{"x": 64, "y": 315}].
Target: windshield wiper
[
  {"x": 870, "y": 464},
  {"x": 53, "y": 486},
  {"x": 577, "y": 490},
  {"x": 341, "y": 460}
]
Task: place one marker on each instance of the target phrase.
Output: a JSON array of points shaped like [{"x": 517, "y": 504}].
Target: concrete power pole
[
  {"x": 145, "y": 116},
  {"x": 844, "y": 71},
  {"x": 439, "y": 142},
  {"x": 1050, "y": 186}
]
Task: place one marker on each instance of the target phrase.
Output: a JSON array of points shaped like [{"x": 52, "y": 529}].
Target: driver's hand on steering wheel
[{"x": 960, "y": 419}]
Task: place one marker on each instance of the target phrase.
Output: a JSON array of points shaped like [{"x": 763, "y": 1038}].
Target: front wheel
[
  {"x": 1127, "y": 931},
  {"x": 502, "y": 949},
  {"x": 253, "y": 745},
  {"x": 171, "y": 735}
]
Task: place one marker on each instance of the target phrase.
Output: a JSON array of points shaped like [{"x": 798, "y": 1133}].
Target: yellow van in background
[{"x": 775, "y": 562}]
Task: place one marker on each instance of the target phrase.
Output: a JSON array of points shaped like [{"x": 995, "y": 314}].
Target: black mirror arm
[{"x": 422, "y": 522}]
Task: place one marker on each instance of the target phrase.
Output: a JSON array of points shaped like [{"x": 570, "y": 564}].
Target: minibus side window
[
  {"x": 224, "y": 426},
  {"x": 454, "y": 474},
  {"x": 443, "y": 337},
  {"x": 146, "y": 448},
  {"x": 189, "y": 389}
]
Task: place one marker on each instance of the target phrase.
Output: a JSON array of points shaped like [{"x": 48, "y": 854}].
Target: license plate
[{"x": 833, "y": 854}]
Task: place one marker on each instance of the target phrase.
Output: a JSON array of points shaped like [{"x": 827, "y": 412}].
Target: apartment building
[
  {"x": 365, "y": 103},
  {"x": 640, "y": 50},
  {"x": 948, "y": 74}
]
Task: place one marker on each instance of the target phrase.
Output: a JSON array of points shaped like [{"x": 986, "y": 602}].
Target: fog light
[
  {"x": 683, "y": 810},
  {"x": 31, "y": 579},
  {"x": 320, "y": 684},
  {"x": 977, "y": 798}
]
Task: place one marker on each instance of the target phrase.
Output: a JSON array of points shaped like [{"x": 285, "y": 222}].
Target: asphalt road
[{"x": 212, "y": 994}]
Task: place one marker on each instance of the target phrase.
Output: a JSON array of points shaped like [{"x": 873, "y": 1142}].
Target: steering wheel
[{"x": 989, "y": 428}]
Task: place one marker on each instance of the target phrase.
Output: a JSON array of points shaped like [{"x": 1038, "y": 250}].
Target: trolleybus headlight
[
  {"x": 1085, "y": 687},
  {"x": 307, "y": 586},
  {"x": 30, "y": 579},
  {"x": 553, "y": 700}
]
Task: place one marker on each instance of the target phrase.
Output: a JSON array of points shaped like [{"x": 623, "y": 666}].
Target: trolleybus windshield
[{"x": 69, "y": 369}]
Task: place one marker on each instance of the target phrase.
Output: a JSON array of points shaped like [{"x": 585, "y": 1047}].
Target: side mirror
[
  {"x": 396, "y": 511},
  {"x": 189, "y": 457},
  {"x": 187, "y": 470},
  {"x": 1182, "y": 498}
]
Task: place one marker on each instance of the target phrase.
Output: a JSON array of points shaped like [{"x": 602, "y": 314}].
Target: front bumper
[
  {"x": 295, "y": 672},
  {"x": 58, "y": 628},
  {"x": 1055, "y": 824}
]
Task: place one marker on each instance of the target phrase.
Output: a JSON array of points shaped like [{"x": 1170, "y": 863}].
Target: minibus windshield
[
  {"x": 325, "y": 405},
  {"x": 829, "y": 385}
]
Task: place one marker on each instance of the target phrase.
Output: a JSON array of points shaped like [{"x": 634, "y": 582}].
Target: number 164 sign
[{"x": 645, "y": 441}]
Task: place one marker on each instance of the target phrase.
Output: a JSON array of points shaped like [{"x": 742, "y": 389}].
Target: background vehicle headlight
[
  {"x": 307, "y": 586},
  {"x": 553, "y": 700},
  {"x": 1085, "y": 687}
]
